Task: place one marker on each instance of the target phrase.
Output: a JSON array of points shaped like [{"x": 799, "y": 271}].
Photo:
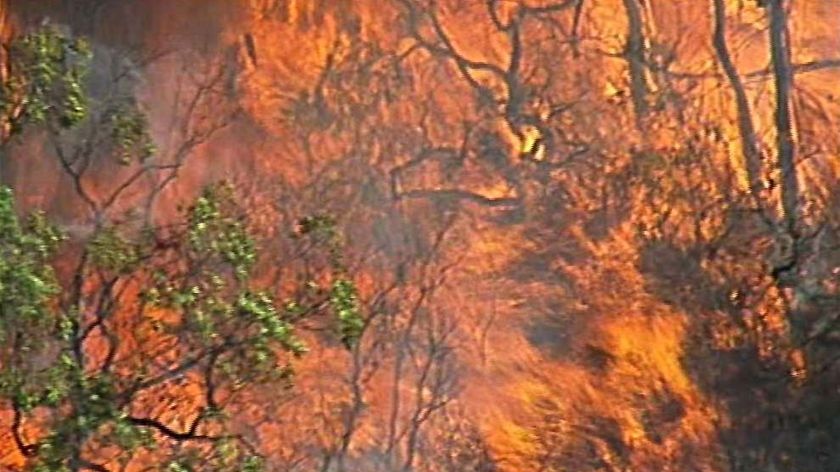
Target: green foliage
[
  {"x": 272, "y": 327},
  {"x": 32, "y": 323},
  {"x": 45, "y": 82},
  {"x": 322, "y": 228},
  {"x": 344, "y": 301},
  {"x": 252, "y": 464},
  {"x": 179, "y": 466},
  {"x": 215, "y": 233},
  {"x": 320, "y": 225},
  {"x": 209, "y": 285},
  {"x": 27, "y": 282},
  {"x": 221, "y": 330},
  {"x": 199, "y": 270},
  {"x": 343, "y": 296},
  {"x": 112, "y": 252},
  {"x": 215, "y": 304},
  {"x": 96, "y": 413},
  {"x": 130, "y": 133}
]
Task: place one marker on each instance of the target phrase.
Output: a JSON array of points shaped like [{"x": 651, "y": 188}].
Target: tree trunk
[
  {"x": 785, "y": 145},
  {"x": 635, "y": 55},
  {"x": 746, "y": 128}
]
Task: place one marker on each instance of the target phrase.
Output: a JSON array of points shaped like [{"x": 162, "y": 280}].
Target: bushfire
[{"x": 419, "y": 235}]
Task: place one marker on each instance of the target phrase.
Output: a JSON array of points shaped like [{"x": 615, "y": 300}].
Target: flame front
[{"x": 551, "y": 224}]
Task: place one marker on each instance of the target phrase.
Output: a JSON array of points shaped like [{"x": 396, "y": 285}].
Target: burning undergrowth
[{"x": 546, "y": 214}]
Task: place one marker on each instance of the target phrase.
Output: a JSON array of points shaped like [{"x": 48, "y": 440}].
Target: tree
[
  {"x": 144, "y": 341},
  {"x": 546, "y": 286},
  {"x": 42, "y": 84}
]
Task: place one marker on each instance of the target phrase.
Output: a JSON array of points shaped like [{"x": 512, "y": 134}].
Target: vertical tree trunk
[
  {"x": 746, "y": 128},
  {"x": 789, "y": 273},
  {"x": 635, "y": 55},
  {"x": 785, "y": 145}
]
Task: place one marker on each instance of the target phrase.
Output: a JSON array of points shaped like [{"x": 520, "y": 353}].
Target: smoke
[{"x": 571, "y": 320}]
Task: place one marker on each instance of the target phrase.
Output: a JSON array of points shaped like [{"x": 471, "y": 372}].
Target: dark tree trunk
[
  {"x": 783, "y": 79},
  {"x": 746, "y": 128},
  {"x": 635, "y": 55}
]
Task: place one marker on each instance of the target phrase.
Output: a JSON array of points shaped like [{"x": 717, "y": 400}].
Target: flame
[{"x": 566, "y": 343}]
